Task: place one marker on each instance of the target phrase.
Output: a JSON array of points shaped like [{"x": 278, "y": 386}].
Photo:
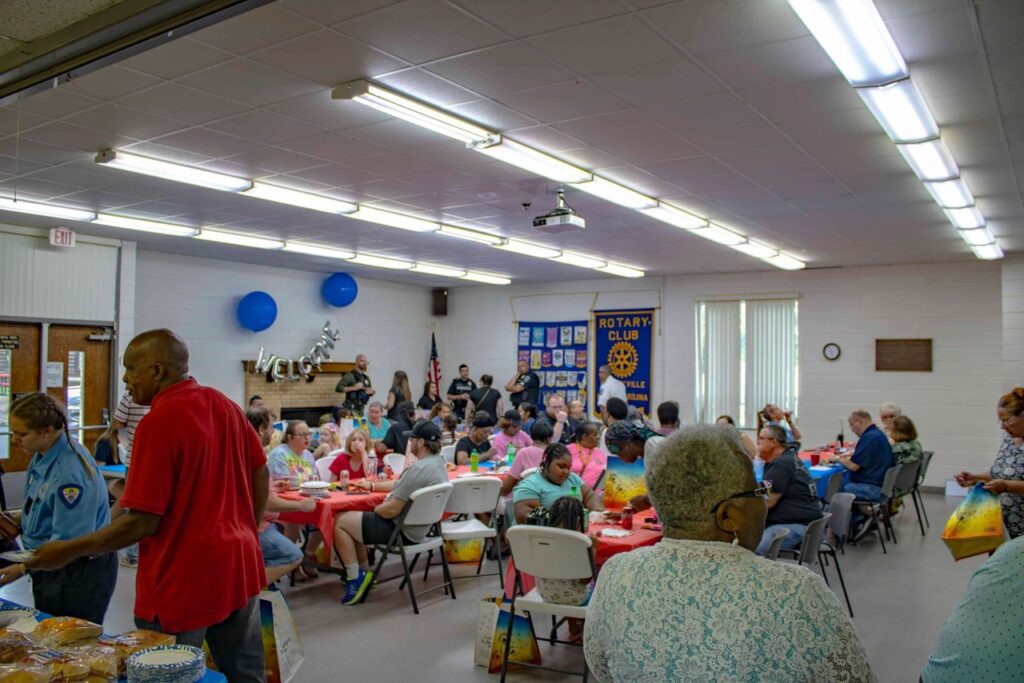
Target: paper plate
[
  {"x": 167, "y": 663},
  {"x": 615, "y": 533},
  {"x": 315, "y": 485},
  {"x": 466, "y": 475}
]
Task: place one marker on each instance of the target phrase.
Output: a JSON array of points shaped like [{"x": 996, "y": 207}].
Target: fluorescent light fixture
[
  {"x": 486, "y": 278},
  {"x": 756, "y": 249},
  {"x": 901, "y": 111},
  {"x": 966, "y": 219},
  {"x": 620, "y": 270},
  {"x": 978, "y": 237},
  {"x": 239, "y": 240},
  {"x": 443, "y": 271},
  {"x": 45, "y": 210},
  {"x": 381, "y": 262},
  {"x": 471, "y": 235},
  {"x": 317, "y": 250},
  {"x": 786, "y": 262},
  {"x": 716, "y": 233},
  {"x": 171, "y": 171},
  {"x": 618, "y": 194},
  {"x": 930, "y": 160},
  {"x": 673, "y": 216},
  {"x": 988, "y": 252},
  {"x": 530, "y": 159},
  {"x": 408, "y": 109},
  {"x": 856, "y": 39},
  {"x": 527, "y": 249},
  {"x": 951, "y": 194},
  {"x": 579, "y": 260},
  {"x": 394, "y": 220},
  {"x": 157, "y": 227},
  {"x": 304, "y": 200}
]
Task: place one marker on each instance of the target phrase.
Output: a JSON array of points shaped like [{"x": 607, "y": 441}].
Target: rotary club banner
[{"x": 624, "y": 341}]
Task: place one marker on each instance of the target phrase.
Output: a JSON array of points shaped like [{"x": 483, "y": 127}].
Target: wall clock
[{"x": 831, "y": 351}]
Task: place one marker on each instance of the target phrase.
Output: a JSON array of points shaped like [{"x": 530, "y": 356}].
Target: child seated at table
[
  {"x": 567, "y": 513},
  {"x": 353, "y": 460}
]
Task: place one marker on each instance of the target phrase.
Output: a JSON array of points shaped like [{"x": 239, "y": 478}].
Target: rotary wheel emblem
[{"x": 622, "y": 359}]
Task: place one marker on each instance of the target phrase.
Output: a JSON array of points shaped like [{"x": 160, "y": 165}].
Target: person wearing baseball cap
[
  {"x": 477, "y": 440},
  {"x": 353, "y": 531}
]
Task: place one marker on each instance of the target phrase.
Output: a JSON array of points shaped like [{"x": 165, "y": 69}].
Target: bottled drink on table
[
  {"x": 510, "y": 454},
  {"x": 343, "y": 480},
  {"x": 371, "y": 466},
  {"x": 474, "y": 461},
  {"x": 758, "y": 468}
]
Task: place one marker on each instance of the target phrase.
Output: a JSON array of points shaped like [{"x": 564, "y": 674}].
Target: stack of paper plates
[{"x": 167, "y": 664}]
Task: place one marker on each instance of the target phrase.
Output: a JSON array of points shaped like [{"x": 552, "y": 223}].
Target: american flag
[{"x": 434, "y": 366}]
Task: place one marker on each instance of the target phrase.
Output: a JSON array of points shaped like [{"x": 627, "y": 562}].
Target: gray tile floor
[{"x": 901, "y": 601}]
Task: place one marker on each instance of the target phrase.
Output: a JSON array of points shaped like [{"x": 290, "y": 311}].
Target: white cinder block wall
[
  {"x": 1013, "y": 319},
  {"x": 960, "y": 306},
  {"x": 196, "y": 297}
]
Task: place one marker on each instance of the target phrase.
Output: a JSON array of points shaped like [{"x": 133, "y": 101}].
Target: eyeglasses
[
  {"x": 761, "y": 492},
  {"x": 302, "y": 435}
]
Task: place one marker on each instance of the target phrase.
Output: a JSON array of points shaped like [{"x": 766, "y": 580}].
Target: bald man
[
  {"x": 356, "y": 386},
  {"x": 197, "y": 491}
]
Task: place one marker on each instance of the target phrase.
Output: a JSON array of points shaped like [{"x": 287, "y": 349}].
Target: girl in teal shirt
[{"x": 552, "y": 480}]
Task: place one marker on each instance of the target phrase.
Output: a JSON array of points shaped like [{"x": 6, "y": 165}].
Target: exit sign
[{"x": 62, "y": 237}]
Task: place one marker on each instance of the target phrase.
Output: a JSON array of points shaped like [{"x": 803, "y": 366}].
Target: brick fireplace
[{"x": 297, "y": 400}]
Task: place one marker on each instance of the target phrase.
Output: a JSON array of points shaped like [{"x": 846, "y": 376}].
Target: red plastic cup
[{"x": 815, "y": 458}]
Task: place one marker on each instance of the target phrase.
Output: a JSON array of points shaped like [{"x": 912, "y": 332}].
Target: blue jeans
[
  {"x": 278, "y": 551},
  {"x": 868, "y": 492},
  {"x": 792, "y": 540}
]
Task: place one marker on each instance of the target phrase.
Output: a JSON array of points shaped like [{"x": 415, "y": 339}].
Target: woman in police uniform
[{"x": 65, "y": 497}]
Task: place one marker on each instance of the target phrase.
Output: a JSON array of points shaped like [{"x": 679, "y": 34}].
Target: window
[{"x": 747, "y": 356}]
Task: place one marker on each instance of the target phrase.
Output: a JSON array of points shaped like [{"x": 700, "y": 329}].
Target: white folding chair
[
  {"x": 323, "y": 467},
  {"x": 448, "y": 453},
  {"x": 470, "y": 497},
  {"x": 396, "y": 461},
  {"x": 426, "y": 507},
  {"x": 548, "y": 553}
]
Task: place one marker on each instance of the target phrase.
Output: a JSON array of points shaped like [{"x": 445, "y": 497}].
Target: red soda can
[{"x": 627, "y": 517}]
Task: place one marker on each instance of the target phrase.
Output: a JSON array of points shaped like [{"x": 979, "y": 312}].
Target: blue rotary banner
[{"x": 624, "y": 341}]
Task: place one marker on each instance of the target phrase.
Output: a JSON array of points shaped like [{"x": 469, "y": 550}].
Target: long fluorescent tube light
[
  {"x": 381, "y": 262},
  {"x": 930, "y": 160},
  {"x": 430, "y": 269},
  {"x": 486, "y": 278},
  {"x": 408, "y": 109},
  {"x": 157, "y": 227},
  {"x": 616, "y": 193},
  {"x": 532, "y": 160},
  {"x": 716, "y": 233},
  {"x": 673, "y": 216},
  {"x": 304, "y": 200},
  {"x": 395, "y": 220},
  {"x": 966, "y": 219},
  {"x": 951, "y": 194},
  {"x": 620, "y": 270},
  {"x": 786, "y": 262},
  {"x": 41, "y": 209},
  {"x": 901, "y": 110},
  {"x": 579, "y": 260},
  {"x": 978, "y": 237},
  {"x": 988, "y": 252},
  {"x": 317, "y": 250},
  {"x": 171, "y": 171},
  {"x": 239, "y": 240},
  {"x": 756, "y": 249},
  {"x": 471, "y": 235},
  {"x": 527, "y": 249},
  {"x": 855, "y": 38}
]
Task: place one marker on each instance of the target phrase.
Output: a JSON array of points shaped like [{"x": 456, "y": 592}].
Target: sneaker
[
  {"x": 129, "y": 561},
  {"x": 357, "y": 588}
]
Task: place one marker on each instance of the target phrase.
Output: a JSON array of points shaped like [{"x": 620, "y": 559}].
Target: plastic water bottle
[
  {"x": 371, "y": 466},
  {"x": 474, "y": 461},
  {"x": 758, "y": 469}
]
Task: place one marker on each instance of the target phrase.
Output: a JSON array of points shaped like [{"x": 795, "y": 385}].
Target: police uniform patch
[{"x": 70, "y": 494}]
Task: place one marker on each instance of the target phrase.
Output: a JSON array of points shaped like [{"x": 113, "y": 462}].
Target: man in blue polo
[{"x": 868, "y": 465}]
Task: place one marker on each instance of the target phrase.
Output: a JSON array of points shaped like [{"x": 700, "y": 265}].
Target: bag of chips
[{"x": 60, "y": 631}]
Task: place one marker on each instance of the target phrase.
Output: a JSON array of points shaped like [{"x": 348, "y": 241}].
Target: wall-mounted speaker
[{"x": 439, "y": 299}]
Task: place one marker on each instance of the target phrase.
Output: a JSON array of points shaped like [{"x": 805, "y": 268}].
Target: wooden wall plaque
[{"x": 903, "y": 355}]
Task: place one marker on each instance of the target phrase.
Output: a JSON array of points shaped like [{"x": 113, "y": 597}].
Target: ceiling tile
[
  {"x": 327, "y": 58},
  {"x": 562, "y": 101},
  {"x": 1007, "y": 66},
  {"x": 585, "y": 48},
  {"x": 647, "y": 149},
  {"x": 394, "y": 164},
  {"x": 787, "y": 61},
  {"x": 719, "y": 140},
  {"x": 421, "y": 30},
  {"x": 55, "y": 102},
  {"x": 176, "y": 58},
  {"x": 256, "y": 29},
  {"x": 709, "y": 25},
  {"x": 265, "y": 126},
  {"x": 338, "y": 175},
  {"x": 210, "y": 142},
  {"x": 329, "y": 12},
  {"x": 502, "y": 69},
  {"x": 932, "y": 35},
  {"x": 320, "y": 110},
  {"x": 334, "y": 146},
  {"x": 714, "y": 111},
  {"x": 617, "y": 126},
  {"x": 74, "y": 137},
  {"x": 958, "y": 76},
  {"x": 658, "y": 83},
  {"x": 708, "y": 184},
  {"x": 810, "y": 127},
  {"x": 273, "y": 160},
  {"x": 689, "y": 168},
  {"x": 132, "y": 123},
  {"x": 112, "y": 82},
  {"x": 819, "y": 97},
  {"x": 766, "y": 158},
  {"x": 185, "y": 104},
  {"x": 528, "y": 17},
  {"x": 249, "y": 82},
  {"x": 492, "y": 115},
  {"x": 547, "y": 139},
  {"x": 396, "y": 134},
  {"x": 1000, "y": 23},
  {"x": 13, "y": 121}
]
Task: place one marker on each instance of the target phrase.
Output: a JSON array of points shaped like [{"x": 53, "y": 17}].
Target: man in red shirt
[{"x": 197, "y": 491}]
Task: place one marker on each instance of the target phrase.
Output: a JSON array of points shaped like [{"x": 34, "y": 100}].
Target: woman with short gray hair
[
  {"x": 888, "y": 412},
  {"x": 702, "y": 605}
]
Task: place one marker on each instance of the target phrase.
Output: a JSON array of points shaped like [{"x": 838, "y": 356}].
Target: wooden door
[
  {"x": 24, "y": 379},
  {"x": 84, "y": 390}
]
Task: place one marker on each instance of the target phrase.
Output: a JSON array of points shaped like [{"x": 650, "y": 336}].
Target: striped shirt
[{"x": 129, "y": 413}]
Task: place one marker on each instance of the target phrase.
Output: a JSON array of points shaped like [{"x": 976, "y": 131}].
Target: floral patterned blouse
[
  {"x": 906, "y": 451},
  {"x": 702, "y": 611},
  {"x": 1009, "y": 464}
]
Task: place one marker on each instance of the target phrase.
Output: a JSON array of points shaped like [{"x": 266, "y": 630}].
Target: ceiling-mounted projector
[{"x": 563, "y": 218}]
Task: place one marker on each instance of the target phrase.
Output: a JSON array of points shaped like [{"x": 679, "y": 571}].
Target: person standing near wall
[{"x": 356, "y": 386}]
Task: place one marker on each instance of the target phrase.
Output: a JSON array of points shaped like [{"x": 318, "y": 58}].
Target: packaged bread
[
  {"x": 63, "y": 666},
  {"x": 24, "y": 673},
  {"x": 130, "y": 642},
  {"x": 15, "y": 646},
  {"x": 102, "y": 659},
  {"x": 60, "y": 631}
]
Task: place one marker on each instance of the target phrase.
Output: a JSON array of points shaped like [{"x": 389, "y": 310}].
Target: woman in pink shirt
[
  {"x": 510, "y": 434},
  {"x": 527, "y": 458},
  {"x": 588, "y": 461}
]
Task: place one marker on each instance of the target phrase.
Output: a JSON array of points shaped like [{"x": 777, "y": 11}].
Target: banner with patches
[
  {"x": 564, "y": 349},
  {"x": 624, "y": 341},
  {"x": 623, "y": 481}
]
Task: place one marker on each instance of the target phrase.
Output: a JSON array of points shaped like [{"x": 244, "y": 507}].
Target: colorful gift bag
[
  {"x": 976, "y": 526},
  {"x": 623, "y": 481},
  {"x": 282, "y": 649},
  {"x": 461, "y": 552},
  {"x": 491, "y": 631}
]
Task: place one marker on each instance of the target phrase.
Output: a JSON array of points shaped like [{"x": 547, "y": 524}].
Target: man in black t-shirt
[
  {"x": 478, "y": 439},
  {"x": 557, "y": 417},
  {"x": 459, "y": 391},
  {"x": 793, "y": 501},
  {"x": 524, "y": 387}
]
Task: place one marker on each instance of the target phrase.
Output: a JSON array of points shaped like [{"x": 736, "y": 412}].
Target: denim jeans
[
  {"x": 868, "y": 492},
  {"x": 792, "y": 540}
]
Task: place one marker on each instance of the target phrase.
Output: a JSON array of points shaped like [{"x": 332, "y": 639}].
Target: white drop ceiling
[{"x": 728, "y": 108}]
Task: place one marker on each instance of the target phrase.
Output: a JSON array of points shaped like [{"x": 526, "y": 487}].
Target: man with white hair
[{"x": 610, "y": 388}]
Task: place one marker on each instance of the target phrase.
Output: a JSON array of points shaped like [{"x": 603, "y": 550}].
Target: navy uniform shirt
[
  {"x": 874, "y": 455},
  {"x": 62, "y": 499}
]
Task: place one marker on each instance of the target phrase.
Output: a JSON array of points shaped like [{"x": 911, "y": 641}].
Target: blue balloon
[
  {"x": 339, "y": 290},
  {"x": 256, "y": 311}
]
